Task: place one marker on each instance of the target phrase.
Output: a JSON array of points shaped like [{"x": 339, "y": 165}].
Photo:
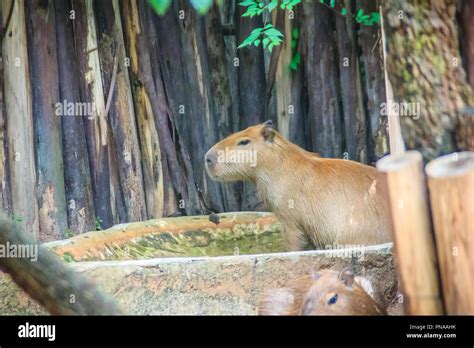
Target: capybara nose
[{"x": 210, "y": 157}]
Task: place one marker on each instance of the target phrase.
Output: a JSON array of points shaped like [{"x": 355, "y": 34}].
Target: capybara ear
[
  {"x": 315, "y": 275},
  {"x": 268, "y": 123},
  {"x": 347, "y": 276},
  {"x": 268, "y": 132},
  {"x": 307, "y": 307}
]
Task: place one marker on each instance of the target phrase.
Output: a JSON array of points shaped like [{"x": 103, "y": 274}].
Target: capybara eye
[
  {"x": 243, "y": 142},
  {"x": 332, "y": 300}
]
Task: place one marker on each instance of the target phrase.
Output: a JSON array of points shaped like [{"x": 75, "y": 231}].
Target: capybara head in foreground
[
  {"x": 320, "y": 202},
  {"x": 325, "y": 292}
]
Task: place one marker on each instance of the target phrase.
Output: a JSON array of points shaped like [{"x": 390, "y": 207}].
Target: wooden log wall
[{"x": 144, "y": 97}]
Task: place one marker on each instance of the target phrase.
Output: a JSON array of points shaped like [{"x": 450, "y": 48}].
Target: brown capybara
[
  {"x": 321, "y": 202},
  {"x": 325, "y": 292}
]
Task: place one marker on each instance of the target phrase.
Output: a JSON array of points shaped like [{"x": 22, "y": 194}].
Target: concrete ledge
[{"x": 225, "y": 285}]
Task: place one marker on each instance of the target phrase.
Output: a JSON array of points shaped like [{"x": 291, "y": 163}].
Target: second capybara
[
  {"x": 324, "y": 292},
  {"x": 321, "y": 202}
]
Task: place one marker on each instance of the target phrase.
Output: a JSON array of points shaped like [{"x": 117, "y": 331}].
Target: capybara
[
  {"x": 320, "y": 202},
  {"x": 324, "y": 292}
]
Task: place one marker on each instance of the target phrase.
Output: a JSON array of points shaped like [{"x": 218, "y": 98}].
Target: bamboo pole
[
  {"x": 451, "y": 187},
  {"x": 411, "y": 232}
]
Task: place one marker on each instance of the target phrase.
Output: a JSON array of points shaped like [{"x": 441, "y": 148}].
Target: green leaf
[
  {"x": 272, "y": 5},
  {"x": 160, "y": 6},
  {"x": 295, "y": 61},
  {"x": 265, "y": 42},
  {"x": 202, "y": 6},
  {"x": 296, "y": 33},
  {"x": 273, "y": 32},
  {"x": 344, "y": 11},
  {"x": 333, "y": 3},
  {"x": 247, "y": 3},
  {"x": 251, "y": 38},
  {"x": 375, "y": 17},
  {"x": 256, "y": 42}
]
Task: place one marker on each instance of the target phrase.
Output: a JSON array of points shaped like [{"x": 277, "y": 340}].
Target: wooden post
[
  {"x": 451, "y": 186},
  {"x": 411, "y": 232}
]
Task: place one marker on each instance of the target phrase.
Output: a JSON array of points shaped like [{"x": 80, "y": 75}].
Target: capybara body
[
  {"x": 321, "y": 202},
  {"x": 324, "y": 292}
]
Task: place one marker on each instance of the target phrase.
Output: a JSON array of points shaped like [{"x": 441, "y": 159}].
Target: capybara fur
[
  {"x": 324, "y": 292},
  {"x": 322, "y": 203}
]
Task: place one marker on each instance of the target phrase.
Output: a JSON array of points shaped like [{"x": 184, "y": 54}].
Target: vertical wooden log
[
  {"x": 251, "y": 85},
  {"x": 467, "y": 39},
  {"x": 122, "y": 114},
  {"x": 19, "y": 118},
  {"x": 183, "y": 62},
  {"x": 283, "y": 78},
  {"x": 225, "y": 196},
  {"x": 5, "y": 192},
  {"x": 77, "y": 176},
  {"x": 411, "y": 232},
  {"x": 41, "y": 32},
  {"x": 148, "y": 136},
  {"x": 322, "y": 80},
  {"x": 162, "y": 103},
  {"x": 355, "y": 125},
  {"x": 149, "y": 36},
  {"x": 374, "y": 86},
  {"x": 92, "y": 93},
  {"x": 451, "y": 186}
]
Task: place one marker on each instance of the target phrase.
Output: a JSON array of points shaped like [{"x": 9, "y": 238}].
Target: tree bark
[{"x": 424, "y": 66}]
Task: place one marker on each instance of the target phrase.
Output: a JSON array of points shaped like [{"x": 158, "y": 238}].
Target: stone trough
[{"x": 189, "y": 265}]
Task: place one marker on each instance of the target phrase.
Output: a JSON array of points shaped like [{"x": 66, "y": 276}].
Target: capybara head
[
  {"x": 237, "y": 156},
  {"x": 342, "y": 293}
]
